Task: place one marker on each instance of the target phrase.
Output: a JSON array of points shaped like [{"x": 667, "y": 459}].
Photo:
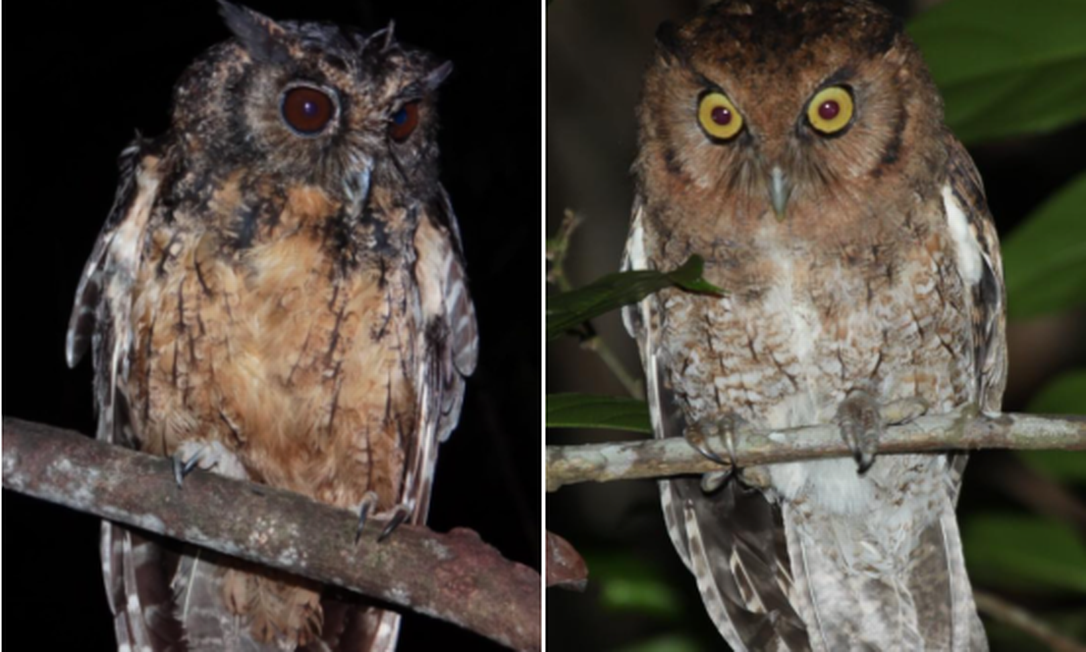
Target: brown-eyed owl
[
  {"x": 800, "y": 148},
  {"x": 278, "y": 295}
]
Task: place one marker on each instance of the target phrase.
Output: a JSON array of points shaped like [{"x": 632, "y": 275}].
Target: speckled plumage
[
  {"x": 279, "y": 306},
  {"x": 880, "y": 281}
]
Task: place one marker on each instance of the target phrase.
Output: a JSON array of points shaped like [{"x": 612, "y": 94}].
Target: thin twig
[
  {"x": 1017, "y": 617},
  {"x": 454, "y": 576},
  {"x": 557, "y": 250},
  {"x": 633, "y": 385},
  {"x": 668, "y": 457}
]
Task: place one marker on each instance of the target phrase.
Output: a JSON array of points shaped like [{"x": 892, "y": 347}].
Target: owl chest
[
  {"x": 799, "y": 329},
  {"x": 299, "y": 367}
]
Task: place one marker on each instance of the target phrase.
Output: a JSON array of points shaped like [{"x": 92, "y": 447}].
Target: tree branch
[
  {"x": 453, "y": 577},
  {"x": 668, "y": 457}
]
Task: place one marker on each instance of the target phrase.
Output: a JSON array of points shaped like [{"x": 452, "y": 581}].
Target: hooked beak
[
  {"x": 357, "y": 186},
  {"x": 779, "y": 190}
]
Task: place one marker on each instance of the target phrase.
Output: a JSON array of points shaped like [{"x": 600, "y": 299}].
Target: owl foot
[
  {"x": 399, "y": 515},
  {"x": 194, "y": 454},
  {"x": 860, "y": 420},
  {"x": 904, "y": 410},
  {"x": 182, "y": 467},
  {"x": 755, "y": 477},
  {"x": 369, "y": 501},
  {"x": 725, "y": 429},
  {"x": 700, "y": 438},
  {"x": 393, "y": 519}
]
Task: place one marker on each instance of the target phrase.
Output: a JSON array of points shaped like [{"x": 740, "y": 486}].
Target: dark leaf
[
  {"x": 1024, "y": 552},
  {"x": 1064, "y": 395},
  {"x": 567, "y": 310},
  {"x": 1044, "y": 259},
  {"x": 1006, "y": 69},
  {"x": 610, "y": 412}
]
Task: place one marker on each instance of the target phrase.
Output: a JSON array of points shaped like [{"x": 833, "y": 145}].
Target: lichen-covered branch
[
  {"x": 668, "y": 457},
  {"x": 454, "y": 576}
]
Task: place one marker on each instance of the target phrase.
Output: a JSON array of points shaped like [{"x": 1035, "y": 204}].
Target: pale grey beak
[
  {"x": 779, "y": 190},
  {"x": 357, "y": 187}
]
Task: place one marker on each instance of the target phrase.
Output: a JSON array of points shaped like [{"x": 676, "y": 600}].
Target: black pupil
[
  {"x": 310, "y": 108},
  {"x": 400, "y": 117}
]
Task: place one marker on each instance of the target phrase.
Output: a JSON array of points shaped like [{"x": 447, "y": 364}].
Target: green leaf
[
  {"x": 1064, "y": 395},
  {"x": 1005, "y": 68},
  {"x": 629, "y": 584},
  {"x": 610, "y": 412},
  {"x": 666, "y": 643},
  {"x": 1024, "y": 552},
  {"x": 1044, "y": 259},
  {"x": 568, "y": 310}
]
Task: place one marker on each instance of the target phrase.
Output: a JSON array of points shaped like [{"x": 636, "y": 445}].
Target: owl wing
[
  {"x": 448, "y": 346},
  {"x": 989, "y": 295},
  {"x": 989, "y": 319},
  {"x": 732, "y": 539},
  {"x": 100, "y": 316},
  {"x": 132, "y": 565}
]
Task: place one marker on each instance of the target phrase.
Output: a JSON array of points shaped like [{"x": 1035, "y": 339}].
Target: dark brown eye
[
  {"x": 307, "y": 110},
  {"x": 404, "y": 121}
]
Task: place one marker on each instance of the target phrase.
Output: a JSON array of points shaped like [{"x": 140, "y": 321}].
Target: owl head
[
  {"x": 785, "y": 107},
  {"x": 312, "y": 102}
]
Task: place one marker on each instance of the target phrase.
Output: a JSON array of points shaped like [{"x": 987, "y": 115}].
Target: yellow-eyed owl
[{"x": 799, "y": 147}]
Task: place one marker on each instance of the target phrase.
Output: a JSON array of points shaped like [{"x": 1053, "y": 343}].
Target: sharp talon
[
  {"x": 700, "y": 441},
  {"x": 368, "y": 501},
  {"x": 191, "y": 464},
  {"x": 363, "y": 514},
  {"x": 398, "y": 517},
  {"x": 861, "y": 424},
  {"x": 704, "y": 450},
  {"x": 181, "y": 469}
]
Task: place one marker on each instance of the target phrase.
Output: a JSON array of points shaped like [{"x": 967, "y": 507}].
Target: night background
[
  {"x": 90, "y": 74},
  {"x": 1022, "y": 516}
]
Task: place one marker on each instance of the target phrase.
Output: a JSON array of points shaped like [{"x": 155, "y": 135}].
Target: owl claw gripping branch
[
  {"x": 799, "y": 147},
  {"x": 278, "y": 295}
]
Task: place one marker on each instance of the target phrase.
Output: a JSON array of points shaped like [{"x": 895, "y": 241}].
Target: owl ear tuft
[
  {"x": 668, "y": 42},
  {"x": 437, "y": 76},
  {"x": 262, "y": 37}
]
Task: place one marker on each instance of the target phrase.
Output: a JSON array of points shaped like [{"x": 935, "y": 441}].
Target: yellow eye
[
  {"x": 831, "y": 110},
  {"x": 718, "y": 116}
]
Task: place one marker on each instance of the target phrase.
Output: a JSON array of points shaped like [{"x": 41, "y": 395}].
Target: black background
[{"x": 88, "y": 75}]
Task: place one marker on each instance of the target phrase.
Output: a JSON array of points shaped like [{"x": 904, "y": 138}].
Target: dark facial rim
[{"x": 330, "y": 92}]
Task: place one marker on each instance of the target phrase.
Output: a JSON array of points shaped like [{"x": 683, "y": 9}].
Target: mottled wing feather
[
  {"x": 448, "y": 346},
  {"x": 88, "y": 294},
  {"x": 989, "y": 295},
  {"x": 460, "y": 312},
  {"x": 989, "y": 319},
  {"x": 100, "y": 317},
  {"x": 731, "y": 539}
]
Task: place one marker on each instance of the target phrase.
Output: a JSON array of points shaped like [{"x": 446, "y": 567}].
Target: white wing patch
[{"x": 965, "y": 241}]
